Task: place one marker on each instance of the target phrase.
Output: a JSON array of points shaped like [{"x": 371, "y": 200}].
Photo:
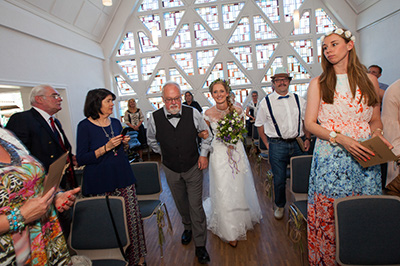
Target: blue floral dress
[{"x": 334, "y": 172}]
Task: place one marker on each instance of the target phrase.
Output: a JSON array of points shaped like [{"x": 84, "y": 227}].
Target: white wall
[
  {"x": 380, "y": 45},
  {"x": 29, "y": 61}
]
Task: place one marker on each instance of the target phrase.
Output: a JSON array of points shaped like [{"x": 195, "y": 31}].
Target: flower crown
[
  {"x": 225, "y": 82},
  {"x": 346, "y": 34}
]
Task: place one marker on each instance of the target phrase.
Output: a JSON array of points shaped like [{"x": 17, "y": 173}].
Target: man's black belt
[{"x": 281, "y": 139}]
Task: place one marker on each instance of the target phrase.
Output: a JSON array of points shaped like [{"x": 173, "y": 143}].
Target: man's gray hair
[
  {"x": 36, "y": 91},
  {"x": 171, "y": 83}
]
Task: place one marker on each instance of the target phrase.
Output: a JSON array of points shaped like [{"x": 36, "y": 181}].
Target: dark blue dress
[{"x": 107, "y": 172}]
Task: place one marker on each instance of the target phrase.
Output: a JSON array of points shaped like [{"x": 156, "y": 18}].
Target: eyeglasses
[
  {"x": 170, "y": 100},
  {"x": 280, "y": 80},
  {"x": 55, "y": 96}
]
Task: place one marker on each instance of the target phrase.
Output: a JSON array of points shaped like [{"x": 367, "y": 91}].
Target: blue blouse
[{"x": 108, "y": 172}]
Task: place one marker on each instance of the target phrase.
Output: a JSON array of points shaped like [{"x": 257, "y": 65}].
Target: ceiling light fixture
[{"x": 107, "y": 2}]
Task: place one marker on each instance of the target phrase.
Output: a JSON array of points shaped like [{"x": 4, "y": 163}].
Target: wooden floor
[{"x": 267, "y": 244}]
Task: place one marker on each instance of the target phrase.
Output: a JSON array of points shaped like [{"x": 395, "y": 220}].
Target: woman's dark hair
[{"x": 93, "y": 102}]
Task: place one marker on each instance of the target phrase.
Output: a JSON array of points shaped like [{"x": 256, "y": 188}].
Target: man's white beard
[{"x": 173, "y": 109}]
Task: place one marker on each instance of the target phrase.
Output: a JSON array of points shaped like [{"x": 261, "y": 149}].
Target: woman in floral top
[{"x": 30, "y": 233}]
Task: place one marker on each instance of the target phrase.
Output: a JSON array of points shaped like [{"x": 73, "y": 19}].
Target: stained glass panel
[
  {"x": 159, "y": 79},
  {"x": 270, "y": 9},
  {"x": 204, "y": 60},
  {"x": 267, "y": 90},
  {"x": 171, "y": 21},
  {"x": 242, "y": 31},
  {"x": 278, "y": 62},
  {"x": 264, "y": 53},
  {"x": 127, "y": 46},
  {"x": 182, "y": 40},
  {"x": 235, "y": 75},
  {"x": 151, "y": 21},
  {"x": 300, "y": 89},
  {"x": 148, "y": 64},
  {"x": 262, "y": 30},
  {"x": 123, "y": 87},
  {"x": 209, "y": 97},
  {"x": 305, "y": 49},
  {"x": 148, "y": 5},
  {"x": 241, "y": 95},
  {"x": 210, "y": 16},
  {"x": 146, "y": 45},
  {"x": 230, "y": 13},
  {"x": 202, "y": 36},
  {"x": 157, "y": 102},
  {"x": 319, "y": 49},
  {"x": 216, "y": 73},
  {"x": 304, "y": 23},
  {"x": 289, "y": 6},
  {"x": 185, "y": 61},
  {"x": 178, "y": 78},
  {"x": 296, "y": 69},
  {"x": 204, "y": 1},
  {"x": 323, "y": 22},
  {"x": 243, "y": 54},
  {"x": 171, "y": 3},
  {"x": 130, "y": 69}
]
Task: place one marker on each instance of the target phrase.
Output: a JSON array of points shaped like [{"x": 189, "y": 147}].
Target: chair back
[
  {"x": 367, "y": 230},
  {"x": 148, "y": 184},
  {"x": 300, "y": 167},
  {"x": 92, "y": 233}
]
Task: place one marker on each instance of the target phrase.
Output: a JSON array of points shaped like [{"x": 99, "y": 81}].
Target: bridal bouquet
[{"x": 231, "y": 129}]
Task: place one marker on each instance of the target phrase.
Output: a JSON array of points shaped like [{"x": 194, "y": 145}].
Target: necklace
[{"x": 108, "y": 136}]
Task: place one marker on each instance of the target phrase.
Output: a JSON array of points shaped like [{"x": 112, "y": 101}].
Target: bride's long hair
[{"x": 227, "y": 89}]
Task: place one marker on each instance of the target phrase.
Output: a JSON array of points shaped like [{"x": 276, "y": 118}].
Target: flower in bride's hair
[
  {"x": 353, "y": 38},
  {"x": 339, "y": 31},
  {"x": 347, "y": 33}
]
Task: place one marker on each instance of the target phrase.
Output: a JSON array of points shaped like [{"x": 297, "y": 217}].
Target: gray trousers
[{"x": 187, "y": 191}]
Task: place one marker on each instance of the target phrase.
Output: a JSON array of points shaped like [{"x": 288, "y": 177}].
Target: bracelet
[
  {"x": 16, "y": 220},
  {"x": 377, "y": 129}
]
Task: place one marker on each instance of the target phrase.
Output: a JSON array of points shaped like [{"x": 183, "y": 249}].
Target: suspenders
[{"x": 273, "y": 117}]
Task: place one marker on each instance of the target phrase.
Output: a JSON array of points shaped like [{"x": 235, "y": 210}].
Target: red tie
[{"x": 53, "y": 126}]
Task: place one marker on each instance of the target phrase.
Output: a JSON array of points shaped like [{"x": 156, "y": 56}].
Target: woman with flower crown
[
  {"x": 233, "y": 206},
  {"x": 342, "y": 110}
]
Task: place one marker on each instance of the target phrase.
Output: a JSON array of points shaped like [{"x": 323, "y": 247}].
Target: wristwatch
[{"x": 332, "y": 137}]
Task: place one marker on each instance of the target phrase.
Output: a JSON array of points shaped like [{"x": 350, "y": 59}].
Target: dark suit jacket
[{"x": 34, "y": 131}]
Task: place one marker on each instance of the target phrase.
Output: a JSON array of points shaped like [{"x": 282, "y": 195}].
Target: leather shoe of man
[
  {"x": 186, "y": 237},
  {"x": 202, "y": 255}
]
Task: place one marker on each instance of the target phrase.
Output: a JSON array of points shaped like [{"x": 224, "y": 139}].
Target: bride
[{"x": 232, "y": 207}]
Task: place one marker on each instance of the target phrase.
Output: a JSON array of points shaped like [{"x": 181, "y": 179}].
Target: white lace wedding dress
[{"x": 233, "y": 206}]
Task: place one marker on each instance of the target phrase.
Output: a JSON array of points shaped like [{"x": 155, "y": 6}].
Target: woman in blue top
[{"x": 100, "y": 147}]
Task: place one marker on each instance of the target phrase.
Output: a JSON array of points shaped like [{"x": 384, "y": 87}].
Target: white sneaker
[{"x": 279, "y": 213}]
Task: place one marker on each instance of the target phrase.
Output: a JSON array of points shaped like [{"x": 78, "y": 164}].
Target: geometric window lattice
[
  {"x": 123, "y": 87},
  {"x": 278, "y": 62},
  {"x": 289, "y": 6},
  {"x": 270, "y": 8},
  {"x": 146, "y": 45},
  {"x": 210, "y": 16},
  {"x": 182, "y": 40},
  {"x": 159, "y": 79},
  {"x": 243, "y": 54},
  {"x": 185, "y": 61},
  {"x": 171, "y": 21},
  {"x": 319, "y": 49},
  {"x": 148, "y": 5},
  {"x": 296, "y": 69},
  {"x": 235, "y": 75},
  {"x": 157, "y": 102},
  {"x": 127, "y": 46},
  {"x": 230, "y": 13},
  {"x": 151, "y": 21},
  {"x": 148, "y": 64},
  {"x": 171, "y": 3},
  {"x": 178, "y": 78},
  {"x": 323, "y": 22},
  {"x": 264, "y": 53},
  {"x": 202, "y": 36},
  {"x": 130, "y": 69},
  {"x": 216, "y": 73},
  {"x": 242, "y": 31},
  {"x": 304, "y": 49},
  {"x": 300, "y": 89},
  {"x": 262, "y": 30},
  {"x": 304, "y": 24},
  {"x": 204, "y": 60},
  {"x": 203, "y": 1},
  {"x": 267, "y": 89}
]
